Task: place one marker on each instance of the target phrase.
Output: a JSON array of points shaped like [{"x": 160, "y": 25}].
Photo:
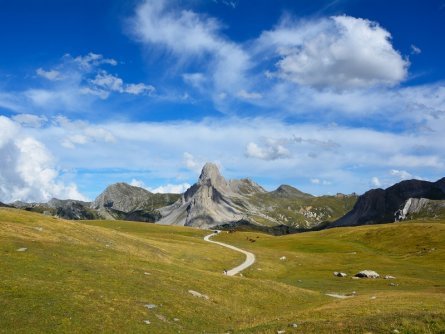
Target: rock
[
  {"x": 150, "y": 306},
  {"x": 197, "y": 294},
  {"x": 23, "y": 249},
  {"x": 145, "y": 273},
  {"x": 175, "y": 319},
  {"x": 367, "y": 274},
  {"x": 396, "y": 331},
  {"x": 339, "y": 274},
  {"x": 373, "y": 297},
  {"x": 389, "y": 277},
  {"x": 161, "y": 317},
  {"x": 378, "y": 206},
  {"x": 40, "y": 229},
  {"x": 393, "y": 284},
  {"x": 293, "y": 325},
  {"x": 281, "y": 331},
  {"x": 147, "y": 322},
  {"x": 283, "y": 258},
  {"x": 212, "y": 201}
]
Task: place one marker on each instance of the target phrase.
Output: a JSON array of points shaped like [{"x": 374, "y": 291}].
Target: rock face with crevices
[
  {"x": 379, "y": 206},
  {"x": 211, "y": 201}
]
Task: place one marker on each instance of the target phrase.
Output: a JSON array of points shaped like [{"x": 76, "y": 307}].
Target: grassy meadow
[{"x": 99, "y": 276}]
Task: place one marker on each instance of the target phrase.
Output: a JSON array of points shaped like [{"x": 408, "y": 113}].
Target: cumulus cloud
[
  {"x": 340, "y": 52},
  {"x": 271, "y": 150},
  {"x": 27, "y": 169},
  {"x": 164, "y": 189}
]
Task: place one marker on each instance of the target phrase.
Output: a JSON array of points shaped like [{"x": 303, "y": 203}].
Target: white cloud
[
  {"x": 27, "y": 169},
  {"x": 415, "y": 50},
  {"x": 81, "y": 133},
  {"x": 91, "y": 60},
  {"x": 108, "y": 82},
  {"x": 315, "y": 181},
  {"x": 171, "y": 188},
  {"x": 193, "y": 38},
  {"x": 164, "y": 189},
  {"x": 272, "y": 150},
  {"x": 192, "y": 163},
  {"x": 34, "y": 121},
  {"x": 249, "y": 95},
  {"x": 50, "y": 75},
  {"x": 340, "y": 52},
  {"x": 376, "y": 181},
  {"x": 401, "y": 174},
  {"x": 139, "y": 89},
  {"x": 104, "y": 83}
]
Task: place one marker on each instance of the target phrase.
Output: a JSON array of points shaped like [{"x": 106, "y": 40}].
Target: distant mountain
[
  {"x": 289, "y": 192},
  {"x": 384, "y": 206},
  {"x": 215, "y": 201},
  {"x": 126, "y": 202},
  {"x": 211, "y": 201}
]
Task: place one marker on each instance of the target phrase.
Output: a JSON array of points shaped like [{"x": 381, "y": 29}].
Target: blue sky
[{"x": 328, "y": 96}]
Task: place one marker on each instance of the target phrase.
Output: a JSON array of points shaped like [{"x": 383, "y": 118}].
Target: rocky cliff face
[
  {"x": 126, "y": 202},
  {"x": 384, "y": 206},
  {"x": 211, "y": 201},
  {"x": 122, "y": 197}
]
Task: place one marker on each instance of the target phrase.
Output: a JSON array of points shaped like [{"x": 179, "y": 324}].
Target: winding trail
[{"x": 250, "y": 257}]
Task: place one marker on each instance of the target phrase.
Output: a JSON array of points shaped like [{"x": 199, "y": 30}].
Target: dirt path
[{"x": 250, "y": 257}]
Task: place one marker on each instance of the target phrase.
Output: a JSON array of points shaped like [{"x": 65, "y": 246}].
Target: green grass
[{"x": 89, "y": 277}]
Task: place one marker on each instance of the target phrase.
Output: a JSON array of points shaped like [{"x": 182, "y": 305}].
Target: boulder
[
  {"x": 340, "y": 274},
  {"x": 367, "y": 274}
]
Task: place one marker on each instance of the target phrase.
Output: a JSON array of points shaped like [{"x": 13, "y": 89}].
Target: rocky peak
[
  {"x": 122, "y": 197},
  {"x": 211, "y": 176}
]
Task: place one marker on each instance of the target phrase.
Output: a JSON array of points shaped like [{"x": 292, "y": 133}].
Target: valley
[{"x": 101, "y": 275}]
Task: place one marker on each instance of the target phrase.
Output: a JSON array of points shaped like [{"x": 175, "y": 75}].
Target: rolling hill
[{"x": 113, "y": 276}]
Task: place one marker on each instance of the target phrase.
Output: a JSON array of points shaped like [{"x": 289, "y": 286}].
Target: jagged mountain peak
[{"x": 210, "y": 174}]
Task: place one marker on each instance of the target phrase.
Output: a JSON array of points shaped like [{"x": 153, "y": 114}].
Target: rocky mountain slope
[
  {"x": 394, "y": 203},
  {"x": 118, "y": 201},
  {"x": 211, "y": 201},
  {"x": 215, "y": 201}
]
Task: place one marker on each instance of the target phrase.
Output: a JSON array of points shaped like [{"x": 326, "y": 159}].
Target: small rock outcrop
[
  {"x": 339, "y": 274},
  {"x": 367, "y": 274}
]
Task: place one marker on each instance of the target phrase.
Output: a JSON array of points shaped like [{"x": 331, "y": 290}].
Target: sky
[{"x": 326, "y": 96}]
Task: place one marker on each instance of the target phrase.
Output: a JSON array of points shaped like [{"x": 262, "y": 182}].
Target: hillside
[{"x": 111, "y": 276}]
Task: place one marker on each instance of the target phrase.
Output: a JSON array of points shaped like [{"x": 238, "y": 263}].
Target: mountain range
[{"x": 214, "y": 201}]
